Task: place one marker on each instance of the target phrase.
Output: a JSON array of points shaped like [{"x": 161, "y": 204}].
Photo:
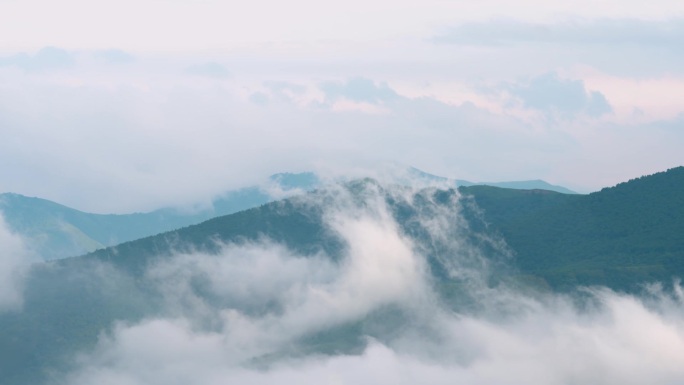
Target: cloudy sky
[{"x": 132, "y": 105}]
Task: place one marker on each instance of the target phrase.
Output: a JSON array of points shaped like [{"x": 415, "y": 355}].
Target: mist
[
  {"x": 116, "y": 130},
  {"x": 259, "y": 312},
  {"x": 376, "y": 276},
  {"x": 15, "y": 260}
]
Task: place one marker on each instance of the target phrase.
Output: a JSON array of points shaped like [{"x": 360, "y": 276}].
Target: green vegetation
[
  {"x": 536, "y": 184},
  {"x": 619, "y": 237},
  {"x": 56, "y": 231}
]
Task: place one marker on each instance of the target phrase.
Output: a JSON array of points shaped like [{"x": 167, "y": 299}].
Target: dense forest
[{"x": 619, "y": 237}]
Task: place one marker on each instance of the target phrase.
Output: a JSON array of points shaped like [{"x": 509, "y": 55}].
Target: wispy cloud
[
  {"x": 359, "y": 90},
  {"x": 596, "y": 32},
  {"x": 114, "y": 56},
  {"x": 558, "y": 97},
  {"x": 246, "y": 323},
  {"x": 47, "y": 58},
  {"x": 122, "y": 132},
  {"x": 211, "y": 69},
  {"x": 15, "y": 260}
]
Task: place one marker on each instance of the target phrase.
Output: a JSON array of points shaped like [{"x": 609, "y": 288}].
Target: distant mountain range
[
  {"x": 56, "y": 231},
  {"x": 620, "y": 237},
  {"x": 536, "y": 184},
  {"x": 617, "y": 237}
]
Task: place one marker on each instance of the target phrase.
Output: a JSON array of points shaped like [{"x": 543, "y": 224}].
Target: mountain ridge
[
  {"x": 550, "y": 241},
  {"x": 627, "y": 230},
  {"x": 57, "y": 231}
]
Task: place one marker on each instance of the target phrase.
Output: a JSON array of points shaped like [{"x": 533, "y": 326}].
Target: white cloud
[
  {"x": 360, "y": 90},
  {"x": 15, "y": 260},
  {"x": 113, "y": 138},
  {"x": 46, "y": 58},
  {"x": 625, "y": 342},
  {"x": 556, "y": 97},
  {"x": 514, "y": 338},
  {"x": 211, "y": 69}
]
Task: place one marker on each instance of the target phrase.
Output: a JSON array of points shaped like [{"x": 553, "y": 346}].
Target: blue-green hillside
[
  {"x": 56, "y": 231},
  {"x": 620, "y": 236},
  {"x": 468, "y": 240}
]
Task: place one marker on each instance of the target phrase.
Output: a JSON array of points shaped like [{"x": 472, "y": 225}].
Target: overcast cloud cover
[{"x": 105, "y": 106}]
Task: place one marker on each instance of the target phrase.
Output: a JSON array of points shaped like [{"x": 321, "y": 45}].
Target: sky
[{"x": 130, "y": 106}]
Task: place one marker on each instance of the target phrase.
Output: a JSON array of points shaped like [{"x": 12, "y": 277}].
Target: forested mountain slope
[
  {"x": 468, "y": 242},
  {"x": 619, "y": 236},
  {"x": 57, "y": 231}
]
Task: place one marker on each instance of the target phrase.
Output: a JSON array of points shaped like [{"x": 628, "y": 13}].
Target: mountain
[
  {"x": 619, "y": 237},
  {"x": 57, "y": 231},
  {"x": 470, "y": 240},
  {"x": 415, "y": 174},
  {"x": 68, "y": 303},
  {"x": 536, "y": 184}
]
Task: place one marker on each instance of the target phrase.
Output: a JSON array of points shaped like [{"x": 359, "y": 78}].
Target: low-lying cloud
[
  {"x": 260, "y": 313},
  {"x": 15, "y": 259}
]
